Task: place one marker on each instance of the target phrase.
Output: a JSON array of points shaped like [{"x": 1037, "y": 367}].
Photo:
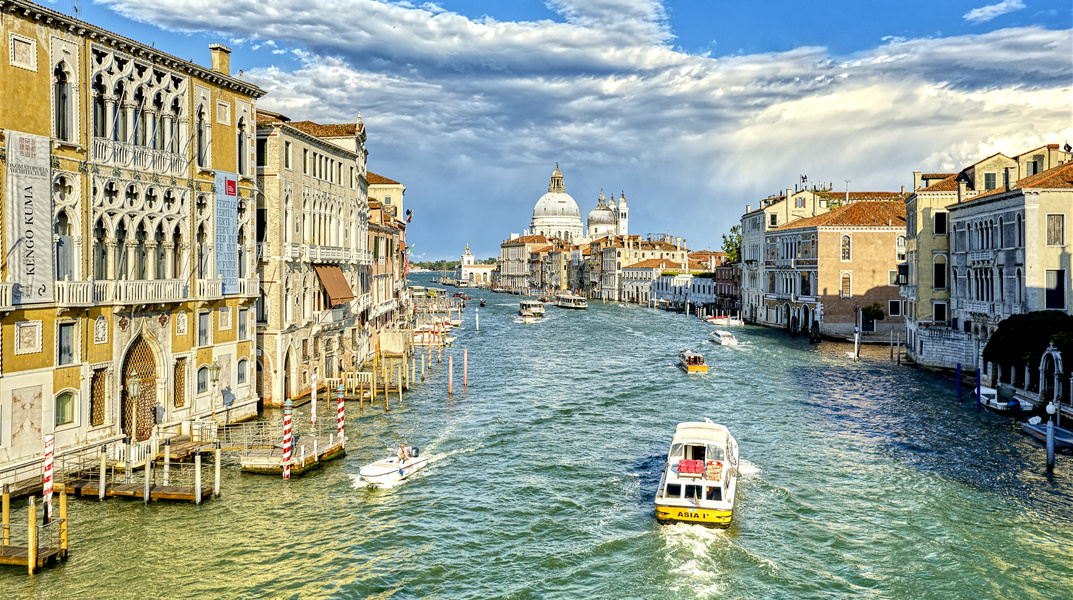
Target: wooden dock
[
  {"x": 309, "y": 451},
  {"x": 91, "y": 489}
]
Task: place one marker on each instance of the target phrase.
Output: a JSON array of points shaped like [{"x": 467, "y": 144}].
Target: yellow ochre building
[{"x": 127, "y": 197}]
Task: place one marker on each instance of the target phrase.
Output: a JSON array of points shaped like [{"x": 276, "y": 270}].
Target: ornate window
[
  {"x": 63, "y": 124},
  {"x": 98, "y": 390},
  {"x": 846, "y": 254},
  {"x": 846, "y": 289},
  {"x": 180, "y": 382}
]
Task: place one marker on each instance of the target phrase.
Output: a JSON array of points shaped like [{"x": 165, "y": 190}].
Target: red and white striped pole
[
  {"x": 287, "y": 440},
  {"x": 465, "y": 367},
  {"x": 50, "y": 443},
  {"x": 339, "y": 424}
]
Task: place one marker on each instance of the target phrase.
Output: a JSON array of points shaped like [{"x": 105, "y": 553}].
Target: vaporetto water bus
[
  {"x": 571, "y": 301},
  {"x": 699, "y": 483},
  {"x": 532, "y": 307}
]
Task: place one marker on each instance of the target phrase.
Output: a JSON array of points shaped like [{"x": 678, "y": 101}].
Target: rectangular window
[
  {"x": 66, "y": 343},
  {"x": 1056, "y": 230},
  {"x": 892, "y": 277},
  {"x": 990, "y": 181},
  {"x": 305, "y": 349},
  {"x": 939, "y": 277},
  {"x": 204, "y": 328},
  {"x": 939, "y": 312},
  {"x": 774, "y": 220},
  {"x": 674, "y": 490},
  {"x": 305, "y": 161},
  {"x": 1056, "y": 288},
  {"x": 262, "y": 152},
  {"x": 242, "y": 327},
  {"x": 940, "y": 223},
  {"x": 894, "y": 308},
  {"x": 351, "y": 177},
  {"x": 286, "y": 155}
]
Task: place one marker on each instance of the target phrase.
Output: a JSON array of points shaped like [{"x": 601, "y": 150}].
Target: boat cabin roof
[
  {"x": 700, "y": 431},
  {"x": 532, "y": 303}
]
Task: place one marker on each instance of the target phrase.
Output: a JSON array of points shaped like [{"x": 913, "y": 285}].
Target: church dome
[
  {"x": 602, "y": 214},
  {"x": 556, "y": 203}
]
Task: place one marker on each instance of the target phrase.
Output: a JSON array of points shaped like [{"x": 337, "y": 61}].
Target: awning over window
[{"x": 332, "y": 278}]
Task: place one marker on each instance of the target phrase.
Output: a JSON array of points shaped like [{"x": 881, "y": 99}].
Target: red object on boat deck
[{"x": 691, "y": 466}]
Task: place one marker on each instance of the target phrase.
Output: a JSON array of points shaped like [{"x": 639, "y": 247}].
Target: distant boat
[
  {"x": 692, "y": 362},
  {"x": 571, "y": 301},
  {"x": 724, "y": 338},
  {"x": 482, "y": 301},
  {"x": 534, "y": 307}
]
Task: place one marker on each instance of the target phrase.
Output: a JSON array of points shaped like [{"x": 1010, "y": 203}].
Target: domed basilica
[{"x": 557, "y": 215}]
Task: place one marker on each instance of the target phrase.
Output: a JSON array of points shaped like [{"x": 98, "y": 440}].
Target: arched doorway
[
  {"x": 138, "y": 420},
  {"x": 806, "y": 320}
]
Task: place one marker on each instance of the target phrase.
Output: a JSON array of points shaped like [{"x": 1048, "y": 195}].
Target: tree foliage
[
  {"x": 874, "y": 312},
  {"x": 1022, "y": 339},
  {"x": 732, "y": 244}
]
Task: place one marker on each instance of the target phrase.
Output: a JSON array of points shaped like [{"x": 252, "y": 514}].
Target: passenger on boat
[{"x": 402, "y": 454}]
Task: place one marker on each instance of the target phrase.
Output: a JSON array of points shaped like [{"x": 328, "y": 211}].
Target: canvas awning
[{"x": 338, "y": 289}]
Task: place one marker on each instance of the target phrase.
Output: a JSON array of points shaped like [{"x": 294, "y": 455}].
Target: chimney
[
  {"x": 962, "y": 190},
  {"x": 221, "y": 58},
  {"x": 748, "y": 208},
  {"x": 1009, "y": 179},
  {"x": 916, "y": 180},
  {"x": 903, "y": 190}
]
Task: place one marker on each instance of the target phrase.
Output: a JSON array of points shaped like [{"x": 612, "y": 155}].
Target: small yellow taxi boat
[{"x": 692, "y": 362}]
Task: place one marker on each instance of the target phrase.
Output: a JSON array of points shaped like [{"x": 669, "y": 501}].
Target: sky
[{"x": 692, "y": 108}]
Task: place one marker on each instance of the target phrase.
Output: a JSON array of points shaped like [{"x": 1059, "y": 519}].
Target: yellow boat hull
[{"x": 696, "y": 515}]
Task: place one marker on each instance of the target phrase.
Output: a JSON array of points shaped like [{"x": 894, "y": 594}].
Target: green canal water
[{"x": 861, "y": 480}]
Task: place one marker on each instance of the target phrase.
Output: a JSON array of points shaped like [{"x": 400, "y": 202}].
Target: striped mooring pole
[
  {"x": 339, "y": 423},
  {"x": 287, "y": 441},
  {"x": 50, "y": 445}
]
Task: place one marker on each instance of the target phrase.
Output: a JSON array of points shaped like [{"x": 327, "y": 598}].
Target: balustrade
[
  {"x": 73, "y": 293},
  {"x": 5, "y": 296},
  {"x": 139, "y": 291},
  {"x": 141, "y": 158},
  {"x": 210, "y": 289}
]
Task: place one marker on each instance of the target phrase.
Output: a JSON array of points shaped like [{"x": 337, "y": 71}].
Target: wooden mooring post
[{"x": 35, "y": 553}]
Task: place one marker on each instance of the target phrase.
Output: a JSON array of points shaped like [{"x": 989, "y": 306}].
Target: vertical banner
[
  {"x": 226, "y": 251},
  {"x": 29, "y": 218}
]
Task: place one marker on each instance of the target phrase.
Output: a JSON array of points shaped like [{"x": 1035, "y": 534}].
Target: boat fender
[{"x": 1014, "y": 405}]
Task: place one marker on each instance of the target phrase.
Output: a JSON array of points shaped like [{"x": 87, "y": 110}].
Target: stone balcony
[
  {"x": 981, "y": 257},
  {"x": 210, "y": 289},
  {"x": 147, "y": 291},
  {"x": 140, "y": 158},
  {"x": 6, "y": 290},
  {"x": 249, "y": 287},
  {"x": 73, "y": 293}
]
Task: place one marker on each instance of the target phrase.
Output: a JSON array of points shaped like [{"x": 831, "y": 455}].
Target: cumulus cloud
[
  {"x": 490, "y": 107},
  {"x": 986, "y": 13}
]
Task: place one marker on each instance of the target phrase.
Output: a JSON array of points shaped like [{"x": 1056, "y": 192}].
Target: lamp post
[
  {"x": 134, "y": 388},
  {"x": 214, "y": 376}
]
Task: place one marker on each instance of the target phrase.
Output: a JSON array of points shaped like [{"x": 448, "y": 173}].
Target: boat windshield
[{"x": 696, "y": 452}]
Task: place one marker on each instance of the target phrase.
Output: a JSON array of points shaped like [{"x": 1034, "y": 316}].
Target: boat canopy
[{"x": 700, "y": 431}]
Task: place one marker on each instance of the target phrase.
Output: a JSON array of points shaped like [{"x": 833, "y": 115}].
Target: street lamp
[
  {"x": 134, "y": 388},
  {"x": 214, "y": 376}
]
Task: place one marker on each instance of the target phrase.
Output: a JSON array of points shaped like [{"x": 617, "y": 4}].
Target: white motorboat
[
  {"x": 724, "y": 338},
  {"x": 394, "y": 468},
  {"x": 699, "y": 483}
]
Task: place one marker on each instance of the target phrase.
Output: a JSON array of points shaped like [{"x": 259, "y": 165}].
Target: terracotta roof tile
[
  {"x": 655, "y": 263},
  {"x": 882, "y": 213},
  {"x": 1060, "y": 177},
  {"x": 527, "y": 239},
  {"x": 330, "y": 130},
  {"x": 949, "y": 184},
  {"x": 378, "y": 179}
]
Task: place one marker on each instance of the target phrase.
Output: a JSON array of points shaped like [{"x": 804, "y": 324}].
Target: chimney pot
[
  {"x": 916, "y": 180},
  {"x": 221, "y": 58}
]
